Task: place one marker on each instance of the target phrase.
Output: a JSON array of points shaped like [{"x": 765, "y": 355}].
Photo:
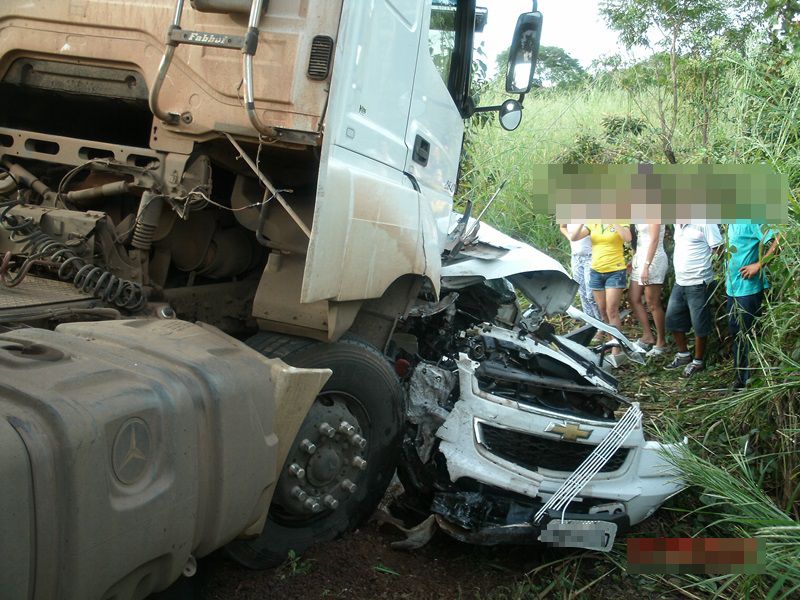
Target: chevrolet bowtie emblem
[{"x": 569, "y": 431}]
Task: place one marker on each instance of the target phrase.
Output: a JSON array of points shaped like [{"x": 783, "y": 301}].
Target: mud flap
[
  {"x": 294, "y": 391},
  {"x": 591, "y": 535}
]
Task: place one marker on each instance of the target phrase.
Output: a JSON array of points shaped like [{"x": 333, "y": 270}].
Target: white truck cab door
[
  {"x": 371, "y": 223},
  {"x": 435, "y": 128}
]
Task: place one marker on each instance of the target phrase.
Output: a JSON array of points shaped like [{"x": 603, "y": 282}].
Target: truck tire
[{"x": 365, "y": 394}]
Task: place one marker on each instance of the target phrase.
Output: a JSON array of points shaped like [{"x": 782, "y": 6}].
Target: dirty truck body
[{"x": 229, "y": 267}]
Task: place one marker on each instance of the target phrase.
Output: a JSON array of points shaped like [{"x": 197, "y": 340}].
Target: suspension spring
[{"x": 41, "y": 248}]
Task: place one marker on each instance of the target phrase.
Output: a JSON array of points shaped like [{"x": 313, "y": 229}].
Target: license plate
[{"x": 592, "y": 535}]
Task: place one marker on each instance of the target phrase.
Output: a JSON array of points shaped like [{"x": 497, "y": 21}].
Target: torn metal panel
[
  {"x": 484, "y": 251},
  {"x": 540, "y": 277},
  {"x": 534, "y": 347},
  {"x": 429, "y": 388},
  {"x": 578, "y": 314},
  {"x": 428, "y": 309}
]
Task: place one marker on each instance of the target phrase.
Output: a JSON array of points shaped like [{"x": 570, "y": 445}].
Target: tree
[
  {"x": 501, "y": 61},
  {"x": 782, "y": 16},
  {"x": 556, "y": 67},
  {"x": 680, "y": 34}
]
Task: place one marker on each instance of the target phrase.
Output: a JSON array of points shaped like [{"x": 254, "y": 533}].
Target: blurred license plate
[{"x": 592, "y": 535}]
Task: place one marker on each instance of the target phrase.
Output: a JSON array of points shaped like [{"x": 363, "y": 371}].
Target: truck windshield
[{"x": 450, "y": 38}]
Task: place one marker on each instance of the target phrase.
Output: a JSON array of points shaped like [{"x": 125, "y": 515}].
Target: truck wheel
[{"x": 344, "y": 455}]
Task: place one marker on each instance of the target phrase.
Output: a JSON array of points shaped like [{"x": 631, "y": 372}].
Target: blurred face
[{"x": 646, "y": 213}]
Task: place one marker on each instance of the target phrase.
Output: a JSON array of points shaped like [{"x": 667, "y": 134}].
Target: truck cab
[
  {"x": 280, "y": 171},
  {"x": 351, "y": 117}
]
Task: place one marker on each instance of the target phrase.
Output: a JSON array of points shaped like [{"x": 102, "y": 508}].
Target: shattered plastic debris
[{"x": 417, "y": 536}]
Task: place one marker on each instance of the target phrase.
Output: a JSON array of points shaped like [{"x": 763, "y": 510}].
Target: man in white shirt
[{"x": 688, "y": 302}]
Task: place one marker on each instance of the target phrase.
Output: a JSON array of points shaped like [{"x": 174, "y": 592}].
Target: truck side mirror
[
  {"x": 524, "y": 52},
  {"x": 510, "y": 115}
]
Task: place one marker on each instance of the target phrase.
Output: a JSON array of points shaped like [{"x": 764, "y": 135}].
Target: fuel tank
[{"x": 128, "y": 448}]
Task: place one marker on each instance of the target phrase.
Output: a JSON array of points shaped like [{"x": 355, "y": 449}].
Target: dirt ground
[{"x": 363, "y": 565}]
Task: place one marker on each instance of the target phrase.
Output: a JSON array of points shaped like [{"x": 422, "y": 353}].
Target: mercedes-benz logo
[{"x": 130, "y": 456}]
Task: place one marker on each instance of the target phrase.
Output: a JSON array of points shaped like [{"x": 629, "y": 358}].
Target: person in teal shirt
[{"x": 745, "y": 282}]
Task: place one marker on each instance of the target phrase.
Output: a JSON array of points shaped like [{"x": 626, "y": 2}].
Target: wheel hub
[
  {"x": 326, "y": 462},
  {"x": 323, "y": 467}
]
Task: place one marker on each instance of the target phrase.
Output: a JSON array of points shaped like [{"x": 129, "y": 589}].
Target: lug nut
[
  {"x": 327, "y": 430},
  {"x": 298, "y": 493},
  {"x": 346, "y": 428},
  {"x": 312, "y": 505},
  {"x": 359, "y": 463},
  {"x": 358, "y": 441},
  {"x": 308, "y": 446},
  {"x": 348, "y": 486},
  {"x": 330, "y": 502},
  {"x": 297, "y": 470}
]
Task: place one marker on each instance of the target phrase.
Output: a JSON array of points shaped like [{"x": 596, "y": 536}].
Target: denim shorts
[
  {"x": 614, "y": 279},
  {"x": 688, "y": 309}
]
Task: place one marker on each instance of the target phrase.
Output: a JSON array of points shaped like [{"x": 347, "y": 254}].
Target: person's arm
[
  {"x": 624, "y": 232},
  {"x": 563, "y": 229},
  {"x": 751, "y": 270},
  {"x": 714, "y": 239},
  {"x": 655, "y": 233},
  {"x": 581, "y": 232}
]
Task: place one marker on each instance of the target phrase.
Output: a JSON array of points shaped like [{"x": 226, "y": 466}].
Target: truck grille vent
[
  {"x": 319, "y": 65},
  {"x": 533, "y": 452}
]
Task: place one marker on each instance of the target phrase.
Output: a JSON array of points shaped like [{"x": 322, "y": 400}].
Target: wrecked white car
[{"x": 517, "y": 434}]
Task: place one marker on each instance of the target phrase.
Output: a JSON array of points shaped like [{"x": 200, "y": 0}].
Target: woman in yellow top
[{"x": 608, "y": 276}]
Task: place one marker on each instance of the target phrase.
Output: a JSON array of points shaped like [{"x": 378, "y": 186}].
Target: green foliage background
[{"x": 726, "y": 91}]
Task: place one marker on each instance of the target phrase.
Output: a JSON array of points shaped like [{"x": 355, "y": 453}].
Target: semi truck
[{"x": 236, "y": 299}]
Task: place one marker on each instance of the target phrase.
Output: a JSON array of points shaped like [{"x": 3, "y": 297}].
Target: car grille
[{"x": 533, "y": 452}]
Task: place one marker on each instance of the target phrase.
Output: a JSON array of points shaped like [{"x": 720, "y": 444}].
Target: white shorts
[{"x": 658, "y": 269}]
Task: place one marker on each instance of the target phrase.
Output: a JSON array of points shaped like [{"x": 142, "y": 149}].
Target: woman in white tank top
[{"x": 649, "y": 269}]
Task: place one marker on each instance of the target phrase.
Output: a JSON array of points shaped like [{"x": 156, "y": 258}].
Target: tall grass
[{"x": 551, "y": 124}]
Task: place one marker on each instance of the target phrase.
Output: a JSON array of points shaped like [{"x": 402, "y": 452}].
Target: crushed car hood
[{"x": 495, "y": 255}]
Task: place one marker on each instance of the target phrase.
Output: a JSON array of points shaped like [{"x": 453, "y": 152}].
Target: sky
[{"x": 574, "y": 25}]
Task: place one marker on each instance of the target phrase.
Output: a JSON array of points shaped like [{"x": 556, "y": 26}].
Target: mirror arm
[{"x": 483, "y": 109}]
